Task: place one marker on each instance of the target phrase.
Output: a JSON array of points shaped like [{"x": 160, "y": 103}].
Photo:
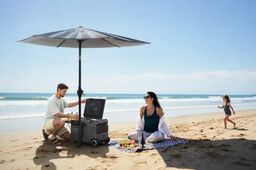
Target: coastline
[
  {"x": 21, "y": 124},
  {"x": 209, "y": 144},
  {"x": 18, "y": 109}
]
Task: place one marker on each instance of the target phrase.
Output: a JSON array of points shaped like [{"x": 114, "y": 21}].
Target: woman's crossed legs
[{"x": 149, "y": 137}]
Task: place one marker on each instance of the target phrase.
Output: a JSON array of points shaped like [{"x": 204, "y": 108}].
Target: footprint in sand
[
  {"x": 225, "y": 145},
  {"x": 240, "y": 135},
  {"x": 139, "y": 165},
  {"x": 176, "y": 156},
  {"x": 226, "y": 150},
  {"x": 242, "y": 158},
  {"x": 213, "y": 155},
  {"x": 94, "y": 152},
  {"x": 15, "y": 140},
  {"x": 253, "y": 147},
  {"x": 12, "y": 160},
  {"x": 110, "y": 157},
  {"x": 102, "y": 161},
  {"x": 242, "y": 163},
  {"x": 2, "y": 161},
  {"x": 165, "y": 150}
]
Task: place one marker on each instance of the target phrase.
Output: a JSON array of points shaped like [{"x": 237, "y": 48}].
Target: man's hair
[{"x": 62, "y": 86}]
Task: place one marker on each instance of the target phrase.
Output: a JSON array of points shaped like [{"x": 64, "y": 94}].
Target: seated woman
[{"x": 151, "y": 121}]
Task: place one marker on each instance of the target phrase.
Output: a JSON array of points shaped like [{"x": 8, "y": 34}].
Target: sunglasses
[{"x": 146, "y": 96}]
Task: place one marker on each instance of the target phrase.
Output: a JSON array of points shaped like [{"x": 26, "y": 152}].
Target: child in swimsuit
[{"x": 227, "y": 109}]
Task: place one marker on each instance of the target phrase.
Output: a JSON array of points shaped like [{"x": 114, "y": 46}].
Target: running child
[{"x": 227, "y": 109}]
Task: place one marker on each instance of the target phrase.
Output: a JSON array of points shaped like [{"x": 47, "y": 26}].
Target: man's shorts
[{"x": 49, "y": 127}]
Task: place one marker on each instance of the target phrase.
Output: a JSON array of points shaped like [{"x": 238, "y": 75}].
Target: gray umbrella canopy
[
  {"x": 81, "y": 38},
  {"x": 90, "y": 39}
]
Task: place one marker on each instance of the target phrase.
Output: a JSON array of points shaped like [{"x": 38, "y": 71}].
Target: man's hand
[{"x": 75, "y": 116}]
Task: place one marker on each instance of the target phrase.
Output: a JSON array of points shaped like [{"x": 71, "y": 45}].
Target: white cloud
[{"x": 239, "y": 81}]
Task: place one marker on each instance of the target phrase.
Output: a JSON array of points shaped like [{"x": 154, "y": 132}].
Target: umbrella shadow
[
  {"x": 212, "y": 154},
  {"x": 46, "y": 153}
]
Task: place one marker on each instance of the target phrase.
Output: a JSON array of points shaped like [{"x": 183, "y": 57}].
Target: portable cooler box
[{"x": 94, "y": 129}]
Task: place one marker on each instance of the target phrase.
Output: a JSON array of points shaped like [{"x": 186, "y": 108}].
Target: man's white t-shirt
[{"x": 55, "y": 105}]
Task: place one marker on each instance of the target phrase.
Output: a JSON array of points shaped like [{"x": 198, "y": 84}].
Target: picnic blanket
[{"x": 148, "y": 146}]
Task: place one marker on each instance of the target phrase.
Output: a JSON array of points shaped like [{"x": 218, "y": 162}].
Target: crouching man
[{"x": 54, "y": 123}]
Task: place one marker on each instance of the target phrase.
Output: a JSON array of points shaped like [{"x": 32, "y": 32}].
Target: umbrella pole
[{"x": 79, "y": 91}]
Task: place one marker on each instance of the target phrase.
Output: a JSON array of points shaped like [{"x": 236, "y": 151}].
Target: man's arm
[
  {"x": 60, "y": 115},
  {"x": 68, "y": 116},
  {"x": 73, "y": 104}
]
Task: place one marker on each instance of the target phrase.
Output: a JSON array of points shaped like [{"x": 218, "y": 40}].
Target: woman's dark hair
[
  {"x": 227, "y": 98},
  {"x": 155, "y": 101}
]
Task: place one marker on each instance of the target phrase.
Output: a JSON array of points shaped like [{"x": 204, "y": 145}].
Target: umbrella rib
[
  {"x": 110, "y": 42},
  {"x": 61, "y": 43}
]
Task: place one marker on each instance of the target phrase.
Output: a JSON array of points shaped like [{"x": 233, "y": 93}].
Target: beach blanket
[{"x": 148, "y": 146}]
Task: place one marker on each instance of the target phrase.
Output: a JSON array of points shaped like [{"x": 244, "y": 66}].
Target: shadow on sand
[
  {"x": 212, "y": 154},
  {"x": 241, "y": 129},
  {"x": 47, "y": 152}
]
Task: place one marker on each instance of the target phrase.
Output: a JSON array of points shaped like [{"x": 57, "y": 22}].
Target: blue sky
[{"x": 196, "y": 46}]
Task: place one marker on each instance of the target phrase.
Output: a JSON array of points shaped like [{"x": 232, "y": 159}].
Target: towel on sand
[{"x": 163, "y": 144}]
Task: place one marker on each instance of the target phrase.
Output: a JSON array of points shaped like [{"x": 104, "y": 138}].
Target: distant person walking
[{"x": 227, "y": 109}]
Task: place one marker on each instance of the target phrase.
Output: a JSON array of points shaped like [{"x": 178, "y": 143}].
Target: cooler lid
[{"x": 94, "y": 108}]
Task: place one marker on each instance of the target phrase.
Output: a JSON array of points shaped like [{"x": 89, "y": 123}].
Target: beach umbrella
[{"x": 81, "y": 38}]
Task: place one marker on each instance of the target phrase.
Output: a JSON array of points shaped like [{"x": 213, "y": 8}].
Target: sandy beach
[
  {"x": 210, "y": 147},
  {"x": 62, "y": 63}
]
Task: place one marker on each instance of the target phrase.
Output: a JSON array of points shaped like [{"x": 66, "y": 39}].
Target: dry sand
[{"x": 210, "y": 147}]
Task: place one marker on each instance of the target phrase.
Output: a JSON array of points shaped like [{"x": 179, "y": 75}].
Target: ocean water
[{"x": 19, "y": 107}]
